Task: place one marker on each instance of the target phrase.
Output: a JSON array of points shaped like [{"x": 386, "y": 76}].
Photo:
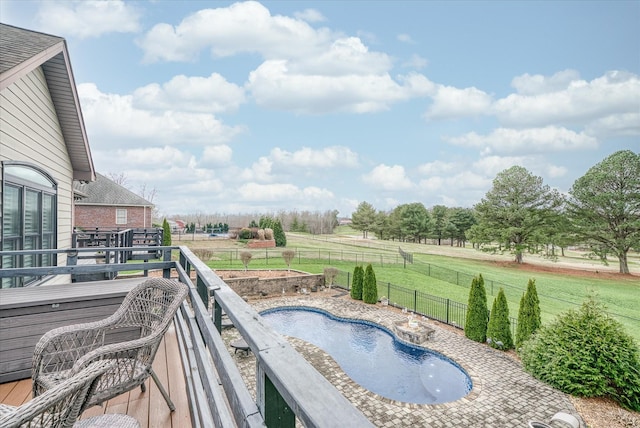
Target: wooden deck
[{"x": 149, "y": 408}]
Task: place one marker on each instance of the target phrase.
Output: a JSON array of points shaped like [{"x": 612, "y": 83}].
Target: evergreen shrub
[
  {"x": 529, "y": 320},
  {"x": 475, "y": 326},
  {"x": 499, "y": 327},
  {"x": 166, "y": 233},
  {"x": 586, "y": 353},
  {"x": 370, "y": 286},
  {"x": 357, "y": 283}
]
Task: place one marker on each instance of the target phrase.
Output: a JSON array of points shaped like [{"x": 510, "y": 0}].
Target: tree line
[{"x": 520, "y": 214}]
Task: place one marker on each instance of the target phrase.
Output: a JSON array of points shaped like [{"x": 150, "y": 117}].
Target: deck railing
[{"x": 287, "y": 386}]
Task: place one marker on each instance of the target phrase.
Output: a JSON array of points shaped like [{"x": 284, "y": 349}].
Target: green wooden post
[
  {"x": 277, "y": 414},
  {"x": 217, "y": 314}
]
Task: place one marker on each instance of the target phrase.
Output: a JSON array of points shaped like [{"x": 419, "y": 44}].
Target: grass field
[{"x": 561, "y": 285}]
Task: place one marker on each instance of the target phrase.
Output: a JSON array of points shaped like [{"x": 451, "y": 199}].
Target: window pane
[
  {"x": 11, "y": 208},
  {"x": 47, "y": 243},
  {"x": 48, "y": 219},
  {"x": 28, "y": 174},
  {"x": 31, "y": 212},
  {"x": 121, "y": 216}
]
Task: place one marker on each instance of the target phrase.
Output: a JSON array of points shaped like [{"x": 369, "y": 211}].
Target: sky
[{"x": 217, "y": 107}]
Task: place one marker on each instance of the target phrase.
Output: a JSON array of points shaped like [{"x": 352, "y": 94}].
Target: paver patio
[{"x": 503, "y": 394}]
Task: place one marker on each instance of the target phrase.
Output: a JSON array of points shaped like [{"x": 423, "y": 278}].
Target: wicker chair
[
  {"x": 146, "y": 311},
  {"x": 60, "y": 406}
]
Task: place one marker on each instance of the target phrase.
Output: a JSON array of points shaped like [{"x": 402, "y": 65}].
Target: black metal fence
[{"x": 437, "y": 308}]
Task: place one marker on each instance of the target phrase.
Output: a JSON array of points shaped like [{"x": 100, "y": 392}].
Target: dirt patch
[{"x": 559, "y": 270}]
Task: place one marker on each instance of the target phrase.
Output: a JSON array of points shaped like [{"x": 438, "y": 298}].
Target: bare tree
[
  {"x": 119, "y": 178},
  {"x": 148, "y": 194},
  {"x": 245, "y": 256},
  {"x": 288, "y": 255},
  {"x": 330, "y": 274}
]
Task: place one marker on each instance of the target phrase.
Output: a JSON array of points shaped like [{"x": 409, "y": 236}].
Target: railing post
[
  {"x": 166, "y": 257},
  {"x": 72, "y": 258}
]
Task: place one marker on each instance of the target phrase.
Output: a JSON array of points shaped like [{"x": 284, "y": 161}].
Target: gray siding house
[{"x": 43, "y": 147}]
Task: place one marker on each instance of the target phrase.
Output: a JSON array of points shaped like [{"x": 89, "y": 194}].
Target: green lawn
[{"x": 558, "y": 293}]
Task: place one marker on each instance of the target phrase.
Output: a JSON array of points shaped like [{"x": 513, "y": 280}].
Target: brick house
[{"x": 104, "y": 204}]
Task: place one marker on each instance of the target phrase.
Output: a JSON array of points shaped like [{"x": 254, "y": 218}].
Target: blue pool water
[{"x": 374, "y": 358}]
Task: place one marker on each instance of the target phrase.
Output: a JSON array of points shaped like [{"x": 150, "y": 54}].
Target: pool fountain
[{"x": 413, "y": 331}]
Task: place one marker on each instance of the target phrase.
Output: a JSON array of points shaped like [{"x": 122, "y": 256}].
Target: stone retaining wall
[{"x": 255, "y": 286}]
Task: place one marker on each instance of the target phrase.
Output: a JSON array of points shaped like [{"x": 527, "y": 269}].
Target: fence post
[
  {"x": 415, "y": 300},
  {"x": 457, "y": 278},
  {"x": 388, "y": 290},
  {"x": 348, "y": 280},
  {"x": 447, "y": 311}
]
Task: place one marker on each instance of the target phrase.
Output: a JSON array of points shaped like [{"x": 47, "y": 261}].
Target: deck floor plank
[{"x": 148, "y": 408}]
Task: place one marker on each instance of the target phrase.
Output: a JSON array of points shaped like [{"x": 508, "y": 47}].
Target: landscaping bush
[
  {"x": 268, "y": 234},
  {"x": 529, "y": 320},
  {"x": 499, "y": 329},
  {"x": 357, "y": 283},
  {"x": 586, "y": 353},
  {"x": 475, "y": 326},
  {"x": 245, "y": 233},
  {"x": 370, "y": 286}
]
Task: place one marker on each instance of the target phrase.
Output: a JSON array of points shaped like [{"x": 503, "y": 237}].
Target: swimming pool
[{"x": 374, "y": 358}]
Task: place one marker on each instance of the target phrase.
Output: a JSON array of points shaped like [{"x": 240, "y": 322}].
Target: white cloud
[
  {"x": 278, "y": 192},
  {"x": 450, "y": 102},
  {"x": 405, "y": 38},
  {"x": 213, "y": 94},
  {"x": 151, "y": 157},
  {"x": 310, "y": 15},
  {"x": 88, "y": 18},
  {"x": 579, "y": 102},
  {"x": 388, "y": 178},
  {"x": 534, "y": 140},
  {"x": 328, "y": 157},
  {"x": 274, "y": 86},
  {"x": 627, "y": 124},
  {"x": 490, "y": 166},
  {"x": 416, "y": 61},
  {"x": 113, "y": 121},
  {"x": 244, "y": 27},
  {"x": 216, "y": 156},
  {"x": 538, "y": 84},
  {"x": 438, "y": 167}
]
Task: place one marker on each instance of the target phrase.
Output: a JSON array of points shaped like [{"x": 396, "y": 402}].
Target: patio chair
[
  {"x": 61, "y": 405},
  {"x": 147, "y": 311}
]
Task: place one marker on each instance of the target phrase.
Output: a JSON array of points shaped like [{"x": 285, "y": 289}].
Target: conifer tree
[
  {"x": 278, "y": 234},
  {"x": 475, "y": 326},
  {"x": 529, "y": 319},
  {"x": 166, "y": 233},
  {"x": 499, "y": 330},
  {"x": 370, "y": 286},
  {"x": 357, "y": 283}
]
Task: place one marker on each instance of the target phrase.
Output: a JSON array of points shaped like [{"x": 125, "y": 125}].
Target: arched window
[{"x": 29, "y": 218}]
